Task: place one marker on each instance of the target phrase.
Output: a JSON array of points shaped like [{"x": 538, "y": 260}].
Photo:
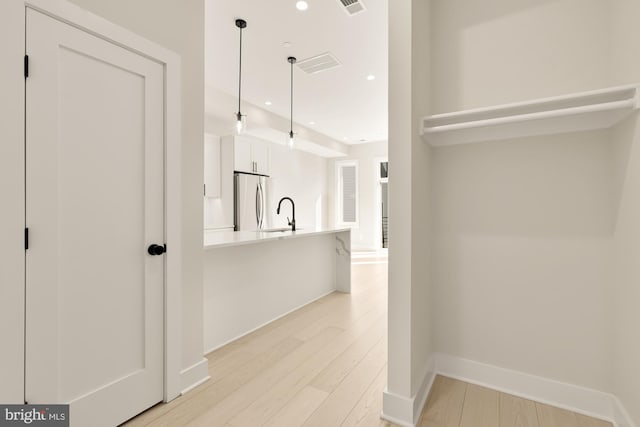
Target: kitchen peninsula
[{"x": 252, "y": 278}]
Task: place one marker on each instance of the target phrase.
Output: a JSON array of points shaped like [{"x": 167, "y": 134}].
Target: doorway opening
[{"x": 382, "y": 204}]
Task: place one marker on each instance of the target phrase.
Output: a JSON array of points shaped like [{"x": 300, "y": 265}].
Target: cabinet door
[
  {"x": 211, "y": 166},
  {"x": 242, "y": 155},
  {"x": 260, "y": 156}
]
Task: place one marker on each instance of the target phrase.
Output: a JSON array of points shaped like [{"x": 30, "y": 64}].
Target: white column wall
[
  {"x": 410, "y": 328},
  {"x": 625, "y": 67}
]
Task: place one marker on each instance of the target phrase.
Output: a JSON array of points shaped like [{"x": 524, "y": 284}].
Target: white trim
[
  {"x": 267, "y": 322},
  {"x": 80, "y": 18},
  {"x": 338, "y": 214},
  {"x": 397, "y": 409},
  {"x": 620, "y": 414},
  {"x": 194, "y": 375},
  {"x": 578, "y": 399},
  {"x": 420, "y": 399},
  {"x": 605, "y": 406},
  {"x": 12, "y": 191},
  {"x": 395, "y": 421},
  {"x": 406, "y": 412}
]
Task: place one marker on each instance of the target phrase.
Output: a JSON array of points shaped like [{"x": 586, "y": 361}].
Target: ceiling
[{"x": 341, "y": 102}]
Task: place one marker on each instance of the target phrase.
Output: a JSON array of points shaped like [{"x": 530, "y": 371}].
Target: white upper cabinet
[
  {"x": 243, "y": 161},
  {"x": 250, "y": 155},
  {"x": 260, "y": 155}
]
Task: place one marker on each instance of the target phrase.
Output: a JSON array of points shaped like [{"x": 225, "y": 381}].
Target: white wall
[
  {"x": 626, "y": 69},
  {"x": 498, "y": 51},
  {"x": 303, "y": 177},
  {"x": 366, "y": 235},
  {"x": 421, "y": 208},
  {"x": 522, "y": 255},
  {"x": 12, "y": 211},
  {"x": 179, "y": 26},
  {"x": 410, "y": 328}
]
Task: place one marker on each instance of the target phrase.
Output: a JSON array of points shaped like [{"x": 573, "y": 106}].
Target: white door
[{"x": 95, "y": 184}]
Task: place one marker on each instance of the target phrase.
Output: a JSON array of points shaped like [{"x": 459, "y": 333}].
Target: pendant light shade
[
  {"x": 291, "y": 143},
  {"x": 240, "y": 118}
]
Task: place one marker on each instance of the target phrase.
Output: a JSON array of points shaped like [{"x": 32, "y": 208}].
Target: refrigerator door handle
[
  {"x": 261, "y": 223},
  {"x": 258, "y": 205}
]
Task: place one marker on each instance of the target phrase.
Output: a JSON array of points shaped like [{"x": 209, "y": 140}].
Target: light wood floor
[
  {"x": 325, "y": 365},
  {"x": 454, "y": 403}
]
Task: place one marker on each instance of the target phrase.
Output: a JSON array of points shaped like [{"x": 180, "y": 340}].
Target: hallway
[{"x": 325, "y": 365}]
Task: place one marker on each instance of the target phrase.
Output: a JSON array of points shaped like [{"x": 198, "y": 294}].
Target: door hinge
[
  {"x": 26, "y": 66},
  {"x": 26, "y": 238},
  {"x": 205, "y": 190}
]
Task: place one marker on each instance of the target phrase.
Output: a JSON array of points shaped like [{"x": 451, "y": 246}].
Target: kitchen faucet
[{"x": 292, "y": 222}]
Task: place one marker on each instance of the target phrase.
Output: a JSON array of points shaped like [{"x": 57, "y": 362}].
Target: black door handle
[{"x": 157, "y": 249}]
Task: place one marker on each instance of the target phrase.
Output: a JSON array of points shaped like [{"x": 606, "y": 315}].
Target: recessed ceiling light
[
  {"x": 312, "y": 123},
  {"x": 371, "y": 77},
  {"x": 267, "y": 102},
  {"x": 286, "y": 44},
  {"x": 302, "y": 5},
  {"x": 345, "y": 138}
]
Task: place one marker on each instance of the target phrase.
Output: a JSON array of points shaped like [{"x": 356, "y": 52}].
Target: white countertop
[{"x": 220, "y": 239}]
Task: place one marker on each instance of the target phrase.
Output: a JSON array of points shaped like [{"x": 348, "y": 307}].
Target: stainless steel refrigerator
[{"x": 251, "y": 201}]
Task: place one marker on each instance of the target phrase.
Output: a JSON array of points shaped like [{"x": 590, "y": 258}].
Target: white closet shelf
[{"x": 598, "y": 109}]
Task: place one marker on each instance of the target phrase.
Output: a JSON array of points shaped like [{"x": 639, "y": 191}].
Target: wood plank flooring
[
  {"x": 325, "y": 365},
  {"x": 456, "y": 403}
]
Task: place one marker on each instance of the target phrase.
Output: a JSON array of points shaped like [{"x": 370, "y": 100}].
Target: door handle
[
  {"x": 260, "y": 223},
  {"x": 156, "y": 250},
  {"x": 258, "y": 205}
]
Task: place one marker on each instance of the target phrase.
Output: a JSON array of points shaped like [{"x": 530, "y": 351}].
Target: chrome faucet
[{"x": 292, "y": 222}]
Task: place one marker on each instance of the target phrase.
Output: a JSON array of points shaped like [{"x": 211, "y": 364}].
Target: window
[{"x": 347, "y": 193}]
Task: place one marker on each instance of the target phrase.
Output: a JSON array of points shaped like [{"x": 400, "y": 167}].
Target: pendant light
[
  {"x": 240, "y": 118},
  {"x": 291, "y": 60}
]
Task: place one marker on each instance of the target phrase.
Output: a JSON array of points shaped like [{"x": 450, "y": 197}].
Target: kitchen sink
[{"x": 275, "y": 230}]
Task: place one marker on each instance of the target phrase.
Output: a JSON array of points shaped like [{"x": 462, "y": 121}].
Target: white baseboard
[
  {"x": 406, "y": 412},
  {"x": 621, "y": 416},
  {"x": 216, "y": 347},
  {"x": 420, "y": 399},
  {"x": 194, "y": 375},
  {"x": 578, "y": 399},
  {"x": 397, "y": 409}
]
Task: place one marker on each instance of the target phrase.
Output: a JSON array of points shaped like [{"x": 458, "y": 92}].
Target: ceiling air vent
[
  {"x": 353, "y": 7},
  {"x": 318, "y": 63}
]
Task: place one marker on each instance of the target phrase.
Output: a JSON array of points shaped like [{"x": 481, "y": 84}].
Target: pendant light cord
[
  {"x": 240, "y": 75},
  {"x": 291, "y": 128}
]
